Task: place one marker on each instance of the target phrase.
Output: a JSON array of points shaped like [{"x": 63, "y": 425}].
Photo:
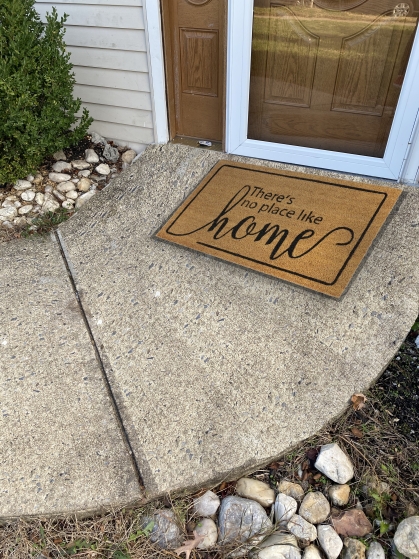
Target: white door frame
[{"x": 239, "y": 43}]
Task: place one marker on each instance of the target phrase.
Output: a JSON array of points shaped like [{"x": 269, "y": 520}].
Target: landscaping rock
[
  {"x": 59, "y": 177},
  {"x": 302, "y": 529},
  {"x": 28, "y": 195},
  {"x": 256, "y": 490},
  {"x": 334, "y": 464},
  {"x": 206, "y": 505},
  {"x": 59, "y": 196},
  {"x": 91, "y": 156},
  {"x": 128, "y": 156},
  {"x": 8, "y": 213},
  {"x": 20, "y": 222},
  {"x": 65, "y": 186},
  {"x": 312, "y": 552},
  {"x": 59, "y": 155},
  {"x": 71, "y": 195},
  {"x": 241, "y": 519},
  {"x": 103, "y": 169},
  {"x": 80, "y": 164},
  {"x": 279, "y": 552},
  {"x": 291, "y": 489},
  {"x": 285, "y": 508},
  {"x": 406, "y": 538},
  {"x": 61, "y": 166},
  {"x": 50, "y": 206},
  {"x": 329, "y": 541},
  {"x": 279, "y": 538},
  {"x": 25, "y": 209},
  {"x": 376, "y": 551},
  {"x": 68, "y": 204},
  {"x": 39, "y": 198},
  {"x": 315, "y": 508},
  {"x": 165, "y": 532},
  {"x": 84, "y": 184},
  {"x": 110, "y": 153},
  {"x": 208, "y": 529},
  {"x": 353, "y": 549},
  {"x": 339, "y": 494},
  {"x": 84, "y": 198},
  {"x": 352, "y": 523},
  {"x": 22, "y": 185},
  {"x": 97, "y": 138}
]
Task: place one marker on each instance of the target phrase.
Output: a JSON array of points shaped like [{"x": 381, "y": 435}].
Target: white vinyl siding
[{"x": 107, "y": 43}]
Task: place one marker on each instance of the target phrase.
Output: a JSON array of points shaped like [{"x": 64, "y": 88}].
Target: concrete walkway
[{"x": 130, "y": 367}]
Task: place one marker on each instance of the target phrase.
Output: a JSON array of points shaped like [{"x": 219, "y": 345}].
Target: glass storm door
[{"x": 327, "y": 76}]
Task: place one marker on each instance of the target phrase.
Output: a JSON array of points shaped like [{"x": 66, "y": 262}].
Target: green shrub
[{"x": 37, "y": 108}]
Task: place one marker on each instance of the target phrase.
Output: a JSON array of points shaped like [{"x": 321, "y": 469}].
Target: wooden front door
[
  {"x": 194, "y": 42},
  {"x": 327, "y": 73}
]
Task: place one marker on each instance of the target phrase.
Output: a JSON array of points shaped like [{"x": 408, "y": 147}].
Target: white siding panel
[
  {"x": 127, "y": 133},
  {"x": 135, "y": 81},
  {"x": 107, "y": 45},
  {"x": 107, "y": 58},
  {"x": 96, "y": 37},
  {"x": 94, "y": 2},
  {"x": 131, "y": 117},
  {"x": 119, "y": 17},
  {"x": 114, "y": 97}
]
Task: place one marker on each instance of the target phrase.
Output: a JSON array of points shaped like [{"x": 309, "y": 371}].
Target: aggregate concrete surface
[
  {"x": 216, "y": 369},
  {"x": 61, "y": 446}
]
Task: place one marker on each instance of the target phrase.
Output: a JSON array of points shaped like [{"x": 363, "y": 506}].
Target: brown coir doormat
[{"x": 309, "y": 230}]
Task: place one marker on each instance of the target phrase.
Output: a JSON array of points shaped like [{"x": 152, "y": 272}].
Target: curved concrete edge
[
  {"x": 62, "y": 448},
  {"x": 206, "y": 393}
]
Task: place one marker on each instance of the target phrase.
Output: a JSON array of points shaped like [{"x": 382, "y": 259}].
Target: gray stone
[
  {"x": 241, "y": 519},
  {"x": 80, "y": 164},
  {"x": 302, "y": 529},
  {"x": 375, "y": 551},
  {"x": 65, "y": 186},
  {"x": 30, "y": 178},
  {"x": 279, "y": 552},
  {"x": 247, "y": 386},
  {"x": 68, "y": 204},
  {"x": 279, "y": 538},
  {"x": 28, "y": 195},
  {"x": 339, "y": 494},
  {"x": 17, "y": 204},
  {"x": 291, "y": 489},
  {"x": 61, "y": 166},
  {"x": 81, "y": 200},
  {"x": 59, "y": 155},
  {"x": 84, "y": 184},
  {"x": 312, "y": 552},
  {"x": 128, "y": 156},
  {"x": 71, "y": 195},
  {"x": 8, "y": 213},
  {"x": 20, "y": 222},
  {"x": 165, "y": 532},
  {"x": 50, "y": 206},
  {"x": 8, "y": 203},
  {"x": 85, "y": 173},
  {"x": 91, "y": 156},
  {"x": 285, "y": 508},
  {"x": 22, "y": 185},
  {"x": 315, "y": 507},
  {"x": 59, "y": 177},
  {"x": 206, "y": 505},
  {"x": 103, "y": 169},
  {"x": 256, "y": 490},
  {"x": 334, "y": 463},
  {"x": 353, "y": 549},
  {"x": 406, "y": 538},
  {"x": 62, "y": 450},
  {"x": 330, "y": 541},
  {"x": 207, "y": 528},
  {"x": 97, "y": 138},
  {"x": 110, "y": 153},
  {"x": 59, "y": 196}
]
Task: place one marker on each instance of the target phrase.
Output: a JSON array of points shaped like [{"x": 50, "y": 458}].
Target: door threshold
[{"x": 194, "y": 142}]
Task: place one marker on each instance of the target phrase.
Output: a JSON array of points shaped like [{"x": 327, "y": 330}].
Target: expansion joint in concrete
[{"x": 99, "y": 359}]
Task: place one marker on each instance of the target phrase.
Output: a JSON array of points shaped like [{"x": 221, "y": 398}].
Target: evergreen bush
[{"x": 37, "y": 107}]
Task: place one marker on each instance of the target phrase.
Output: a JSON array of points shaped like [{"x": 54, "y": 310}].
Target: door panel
[
  {"x": 195, "y": 69},
  {"x": 327, "y": 78}
]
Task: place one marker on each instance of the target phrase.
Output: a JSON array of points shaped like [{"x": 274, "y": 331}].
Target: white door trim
[
  {"x": 239, "y": 39},
  {"x": 155, "y": 53}
]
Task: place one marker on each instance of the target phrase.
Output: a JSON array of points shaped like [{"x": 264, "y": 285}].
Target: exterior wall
[{"x": 107, "y": 42}]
